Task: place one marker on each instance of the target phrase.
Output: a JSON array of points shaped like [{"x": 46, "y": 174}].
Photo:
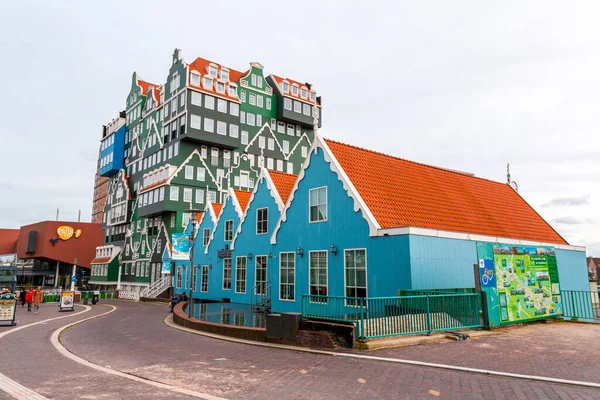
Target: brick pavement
[
  {"x": 29, "y": 358},
  {"x": 134, "y": 339}
]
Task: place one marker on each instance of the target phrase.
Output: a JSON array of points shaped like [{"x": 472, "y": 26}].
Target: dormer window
[
  {"x": 313, "y": 96},
  {"x": 220, "y": 87},
  {"x": 225, "y": 75},
  {"x": 295, "y": 90},
  {"x": 303, "y": 93},
  {"x": 232, "y": 91},
  {"x": 195, "y": 78},
  {"x": 286, "y": 87},
  {"x": 207, "y": 83},
  {"x": 212, "y": 71}
]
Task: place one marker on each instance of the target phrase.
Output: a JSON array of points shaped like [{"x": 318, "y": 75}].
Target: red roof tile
[
  {"x": 284, "y": 183},
  {"x": 200, "y": 65},
  {"x": 217, "y": 208},
  {"x": 146, "y": 85},
  {"x": 243, "y": 198},
  {"x": 402, "y": 193},
  {"x": 100, "y": 260}
]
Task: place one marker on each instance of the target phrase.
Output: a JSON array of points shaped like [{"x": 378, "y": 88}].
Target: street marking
[
  {"x": 55, "y": 340},
  {"x": 169, "y": 322},
  {"x": 14, "y": 388}
]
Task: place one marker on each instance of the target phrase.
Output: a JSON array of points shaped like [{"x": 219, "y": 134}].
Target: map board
[{"x": 525, "y": 279}]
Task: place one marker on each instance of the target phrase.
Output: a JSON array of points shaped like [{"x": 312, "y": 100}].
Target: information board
[
  {"x": 8, "y": 307},
  {"x": 67, "y": 301},
  {"x": 526, "y": 281},
  {"x": 180, "y": 246}
]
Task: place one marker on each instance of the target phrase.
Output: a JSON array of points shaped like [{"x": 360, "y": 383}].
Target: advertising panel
[
  {"x": 67, "y": 300},
  {"x": 8, "y": 307},
  {"x": 181, "y": 246},
  {"x": 524, "y": 279}
]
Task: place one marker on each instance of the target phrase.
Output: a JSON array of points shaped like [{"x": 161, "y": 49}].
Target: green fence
[
  {"x": 376, "y": 317},
  {"x": 581, "y": 304},
  {"x": 104, "y": 294}
]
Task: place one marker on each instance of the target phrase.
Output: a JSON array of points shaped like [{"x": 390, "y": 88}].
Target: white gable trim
[
  {"x": 187, "y": 160},
  {"x": 471, "y": 237},
  {"x": 304, "y": 135},
  {"x": 215, "y": 219}
]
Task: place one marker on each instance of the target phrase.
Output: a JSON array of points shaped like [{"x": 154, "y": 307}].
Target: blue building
[
  {"x": 112, "y": 146},
  {"x": 358, "y": 223}
]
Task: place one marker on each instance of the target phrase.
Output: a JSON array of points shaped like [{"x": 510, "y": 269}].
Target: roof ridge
[{"x": 453, "y": 171}]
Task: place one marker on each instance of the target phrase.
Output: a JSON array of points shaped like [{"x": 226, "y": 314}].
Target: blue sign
[
  {"x": 166, "y": 267},
  {"x": 74, "y": 278},
  {"x": 487, "y": 274},
  {"x": 181, "y": 246}
]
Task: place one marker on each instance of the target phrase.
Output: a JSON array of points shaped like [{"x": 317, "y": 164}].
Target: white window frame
[
  {"x": 366, "y": 273},
  {"x": 225, "y": 230},
  {"x": 204, "y": 279},
  {"x": 189, "y": 172},
  {"x": 326, "y": 205},
  {"x": 228, "y": 278},
  {"x": 310, "y": 284},
  {"x": 187, "y": 195},
  {"x": 174, "y": 192},
  {"x": 237, "y": 273},
  {"x": 266, "y": 232},
  {"x": 205, "y": 236},
  {"x": 293, "y": 293}
]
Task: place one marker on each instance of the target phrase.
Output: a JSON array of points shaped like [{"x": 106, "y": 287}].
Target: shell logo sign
[{"x": 65, "y": 232}]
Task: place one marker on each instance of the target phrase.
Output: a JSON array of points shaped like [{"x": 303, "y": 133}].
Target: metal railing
[
  {"x": 260, "y": 296},
  {"x": 157, "y": 287},
  {"x": 376, "y": 317},
  {"x": 580, "y": 304}
]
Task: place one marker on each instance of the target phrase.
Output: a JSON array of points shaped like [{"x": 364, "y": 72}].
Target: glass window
[
  {"x": 212, "y": 71},
  {"x": 194, "y": 277},
  {"x": 200, "y": 173},
  {"x": 234, "y": 109},
  {"x": 318, "y": 275},
  {"x": 222, "y": 105},
  {"x": 205, "y": 236},
  {"x": 209, "y": 102},
  {"x": 252, "y": 99},
  {"x": 187, "y": 195},
  {"x": 221, "y": 128},
  {"x": 268, "y": 103},
  {"x": 244, "y": 138},
  {"x": 261, "y": 142},
  {"x": 355, "y": 265},
  {"x": 226, "y": 273},
  {"x": 226, "y": 158},
  {"x": 287, "y": 276},
  {"x": 220, "y": 87},
  {"x": 204, "y": 282},
  {"x": 189, "y": 172},
  {"x": 250, "y": 118},
  {"x": 212, "y": 196},
  {"x": 287, "y": 103},
  {"x": 207, "y": 83},
  {"x": 233, "y": 130},
  {"x": 306, "y": 109},
  {"x": 318, "y": 205},
  {"x": 195, "y": 121},
  {"x": 214, "y": 156},
  {"x": 271, "y": 144},
  {"x": 295, "y": 90},
  {"x": 290, "y": 167},
  {"x": 179, "y": 277},
  {"x": 304, "y": 151},
  {"x": 240, "y": 274},
  {"x": 174, "y": 193},
  {"x": 297, "y": 106},
  {"x": 259, "y": 100},
  {"x": 281, "y": 127},
  {"x": 199, "y": 196},
  {"x": 173, "y": 217},
  {"x": 203, "y": 151},
  {"x": 209, "y": 124},
  {"x": 195, "y": 78},
  {"x": 303, "y": 93},
  {"x": 286, "y": 146},
  {"x": 228, "y": 230},
  {"x": 243, "y": 96},
  {"x": 261, "y": 275},
  {"x": 286, "y": 87},
  {"x": 196, "y": 99},
  {"x": 232, "y": 91},
  {"x": 262, "y": 221}
]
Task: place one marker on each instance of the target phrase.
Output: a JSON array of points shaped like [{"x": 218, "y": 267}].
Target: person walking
[
  {"x": 29, "y": 298},
  {"x": 22, "y": 297},
  {"x": 37, "y": 299}
]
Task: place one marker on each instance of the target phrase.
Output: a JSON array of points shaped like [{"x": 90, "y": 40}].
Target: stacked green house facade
[{"x": 186, "y": 142}]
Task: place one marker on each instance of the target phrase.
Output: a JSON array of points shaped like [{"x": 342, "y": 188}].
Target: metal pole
[
  {"x": 56, "y": 275},
  {"x": 191, "y": 269},
  {"x": 73, "y": 274}
]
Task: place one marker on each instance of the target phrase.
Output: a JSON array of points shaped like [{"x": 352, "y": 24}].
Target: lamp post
[
  {"x": 193, "y": 221},
  {"x": 74, "y": 274}
]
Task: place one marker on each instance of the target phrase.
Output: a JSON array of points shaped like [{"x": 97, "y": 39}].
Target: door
[{"x": 261, "y": 275}]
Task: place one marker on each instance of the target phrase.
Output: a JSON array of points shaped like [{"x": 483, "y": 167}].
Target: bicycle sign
[{"x": 486, "y": 273}]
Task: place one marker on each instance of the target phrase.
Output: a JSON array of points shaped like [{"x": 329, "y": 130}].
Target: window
[
  {"x": 273, "y": 124},
  {"x": 297, "y": 106},
  {"x": 290, "y": 130},
  {"x": 355, "y": 266},
  {"x": 318, "y": 275},
  {"x": 313, "y": 96},
  {"x": 303, "y": 93},
  {"x": 222, "y": 105},
  {"x": 318, "y": 205},
  {"x": 280, "y": 165},
  {"x": 268, "y": 103},
  {"x": 240, "y": 274},
  {"x": 243, "y": 96},
  {"x": 232, "y": 91},
  {"x": 233, "y": 130},
  {"x": 304, "y": 151},
  {"x": 199, "y": 196},
  {"x": 261, "y": 142},
  {"x": 203, "y": 152},
  {"x": 204, "y": 279},
  {"x": 253, "y": 79},
  {"x": 295, "y": 90},
  {"x": 187, "y": 195},
  {"x": 195, "y": 79},
  {"x": 271, "y": 144},
  {"x": 243, "y": 117},
  {"x": 161, "y": 194},
  {"x": 286, "y": 87},
  {"x": 262, "y": 221},
  {"x": 220, "y": 87},
  {"x": 221, "y": 128},
  {"x": 220, "y": 174},
  {"x": 252, "y": 99},
  {"x": 269, "y": 163},
  {"x": 281, "y": 127},
  {"x": 174, "y": 193},
  {"x": 200, "y": 173},
  {"x": 306, "y": 109},
  {"x": 196, "y": 99},
  {"x": 226, "y": 273},
  {"x": 286, "y": 146},
  {"x": 195, "y": 121},
  {"x": 287, "y": 276},
  {"x": 250, "y": 119},
  {"x": 207, "y": 83},
  {"x": 212, "y": 196},
  {"x": 205, "y": 236},
  {"x": 259, "y": 101},
  {"x": 176, "y": 149},
  {"x": 214, "y": 156},
  {"x": 174, "y": 106},
  {"x": 287, "y": 103},
  {"x": 209, "y": 102},
  {"x": 179, "y": 277},
  {"x": 209, "y": 124},
  {"x": 189, "y": 172},
  {"x": 244, "y": 138},
  {"x": 185, "y": 219},
  {"x": 290, "y": 167},
  {"x": 226, "y": 158},
  {"x": 173, "y": 220},
  {"x": 212, "y": 71},
  {"x": 228, "y": 230},
  {"x": 261, "y": 275},
  {"x": 234, "y": 109},
  {"x": 194, "y": 277}
]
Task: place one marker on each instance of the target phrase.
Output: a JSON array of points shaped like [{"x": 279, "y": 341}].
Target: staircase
[
  {"x": 157, "y": 287},
  {"x": 261, "y": 297}
]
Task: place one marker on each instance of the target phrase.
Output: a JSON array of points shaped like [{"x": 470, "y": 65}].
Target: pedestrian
[
  {"x": 37, "y": 299},
  {"x": 29, "y": 298},
  {"x": 22, "y": 297}
]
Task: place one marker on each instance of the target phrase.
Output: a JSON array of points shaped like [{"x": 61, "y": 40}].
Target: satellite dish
[{"x": 514, "y": 185}]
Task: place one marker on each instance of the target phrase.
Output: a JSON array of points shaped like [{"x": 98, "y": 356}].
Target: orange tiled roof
[
  {"x": 200, "y": 65},
  {"x": 402, "y": 193},
  {"x": 217, "y": 208},
  {"x": 100, "y": 260},
  {"x": 284, "y": 183},
  {"x": 146, "y": 85},
  {"x": 243, "y": 198}
]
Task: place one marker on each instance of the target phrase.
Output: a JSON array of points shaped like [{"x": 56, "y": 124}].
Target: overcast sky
[{"x": 465, "y": 85}]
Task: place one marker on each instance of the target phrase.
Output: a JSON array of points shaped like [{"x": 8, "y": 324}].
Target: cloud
[
  {"x": 567, "y": 221},
  {"x": 568, "y": 201}
]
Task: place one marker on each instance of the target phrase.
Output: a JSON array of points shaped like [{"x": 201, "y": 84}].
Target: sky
[{"x": 466, "y": 85}]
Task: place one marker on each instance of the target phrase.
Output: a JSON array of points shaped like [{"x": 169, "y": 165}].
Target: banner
[
  {"x": 67, "y": 300},
  {"x": 166, "y": 267},
  {"x": 181, "y": 246},
  {"x": 8, "y": 307},
  {"x": 524, "y": 279}
]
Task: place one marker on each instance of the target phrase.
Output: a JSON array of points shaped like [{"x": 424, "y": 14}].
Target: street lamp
[
  {"x": 193, "y": 221},
  {"x": 73, "y": 277}
]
